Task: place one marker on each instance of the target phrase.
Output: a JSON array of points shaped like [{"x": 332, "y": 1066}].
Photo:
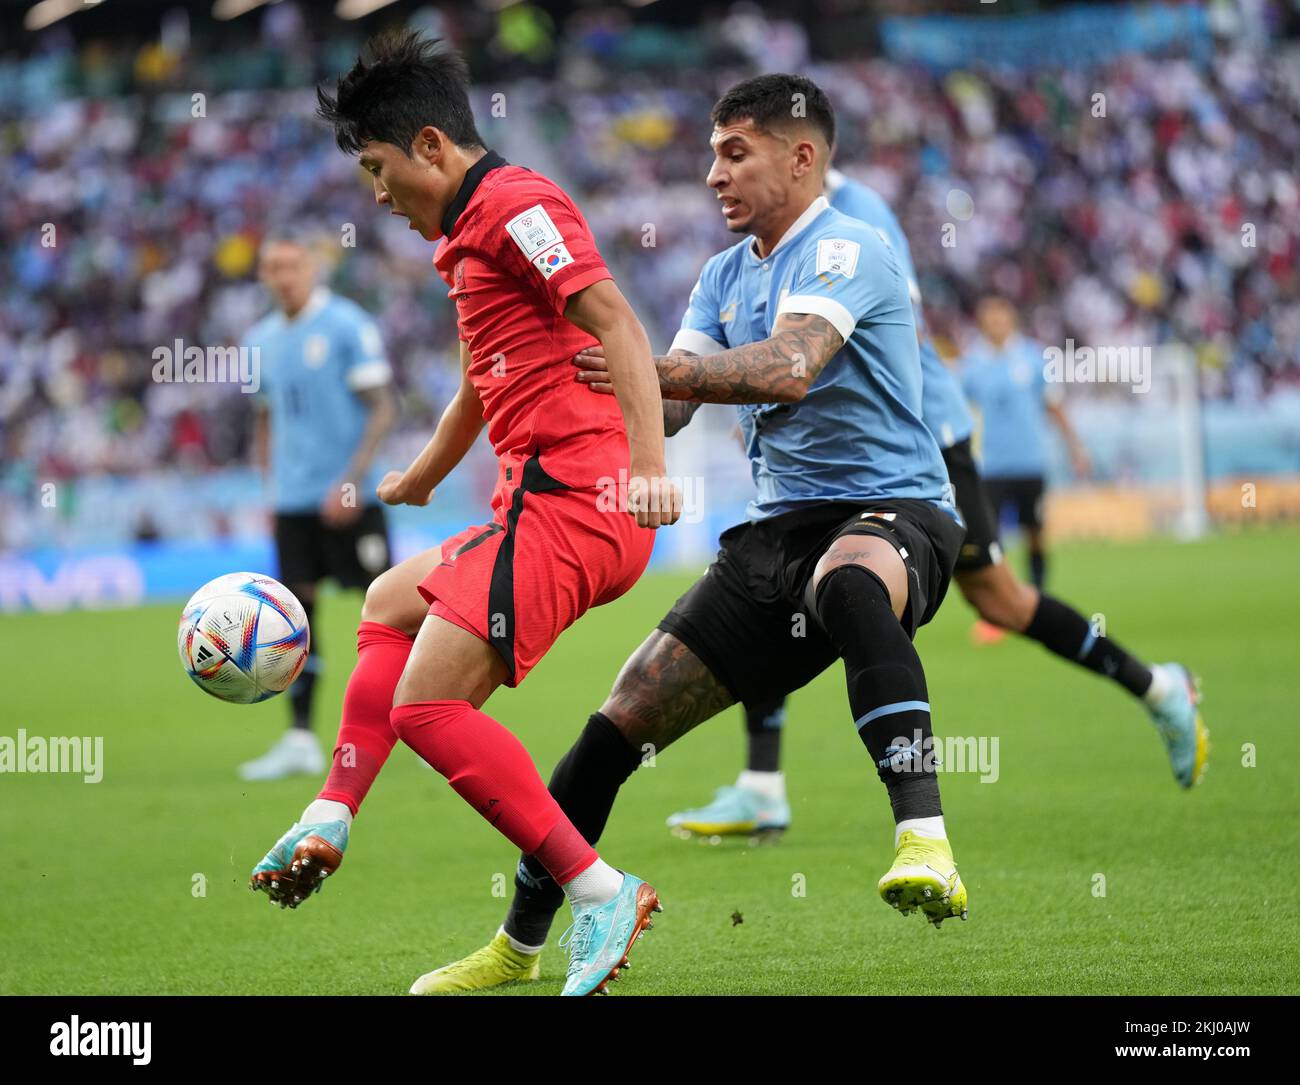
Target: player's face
[
  {"x": 288, "y": 272},
  {"x": 414, "y": 186},
  {"x": 753, "y": 174},
  {"x": 996, "y": 319}
]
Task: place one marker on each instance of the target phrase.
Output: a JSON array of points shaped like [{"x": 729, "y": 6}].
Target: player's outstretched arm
[
  {"x": 601, "y": 311},
  {"x": 779, "y": 369},
  {"x": 457, "y": 430}
]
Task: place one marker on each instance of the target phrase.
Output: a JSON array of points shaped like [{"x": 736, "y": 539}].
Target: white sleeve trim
[
  {"x": 809, "y": 304},
  {"x": 696, "y": 342},
  {"x": 372, "y": 374}
]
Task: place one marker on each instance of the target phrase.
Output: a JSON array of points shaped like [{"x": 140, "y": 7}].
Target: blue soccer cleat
[
  {"x": 300, "y": 862},
  {"x": 1178, "y": 719},
  {"x": 734, "y": 810},
  {"x": 601, "y": 936}
]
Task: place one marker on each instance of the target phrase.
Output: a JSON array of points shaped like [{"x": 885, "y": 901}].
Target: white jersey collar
[
  {"x": 316, "y": 301},
  {"x": 797, "y": 227}
]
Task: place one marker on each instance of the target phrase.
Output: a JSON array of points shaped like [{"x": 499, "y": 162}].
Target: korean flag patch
[
  {"x": 533, "y": 230},
  {"x": 837, "y": 257},
  {"x": 552, "y": 260}
]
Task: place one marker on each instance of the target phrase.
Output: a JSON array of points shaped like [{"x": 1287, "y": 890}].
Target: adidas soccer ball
[{"x": 243, "y": 638}]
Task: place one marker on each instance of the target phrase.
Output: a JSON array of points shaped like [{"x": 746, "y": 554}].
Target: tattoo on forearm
[{"x": 775, "y": 370}]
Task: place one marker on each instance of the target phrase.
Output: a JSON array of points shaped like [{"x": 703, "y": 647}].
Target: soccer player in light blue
[
  {"x": 757, "y": 803},
  {"x": 327, "y": 403},
  {"x": 1003, "y": 377}
]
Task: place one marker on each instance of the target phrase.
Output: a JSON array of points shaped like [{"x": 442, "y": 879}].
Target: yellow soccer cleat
[
  {"x": 924, "y": 876},
  {"x": 495, "y": 964}
]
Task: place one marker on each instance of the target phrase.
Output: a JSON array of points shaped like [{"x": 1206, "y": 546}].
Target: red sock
[
  {"x": 490, "y": 769},
  {"x": 366, "y": 736}
]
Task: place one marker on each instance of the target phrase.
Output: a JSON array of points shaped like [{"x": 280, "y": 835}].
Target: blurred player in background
[
  {"x": 1002, "y": 375},
  {"x": 327, "y": 403},
  {"x": 757, "y": 802},
  {"x": 444, "y": 629}
]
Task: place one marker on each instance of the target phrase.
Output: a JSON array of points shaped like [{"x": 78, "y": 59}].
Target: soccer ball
[{"x": 243, "y": 638}]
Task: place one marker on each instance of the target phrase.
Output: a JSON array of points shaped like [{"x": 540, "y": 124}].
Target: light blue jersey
[
  {"x": 857, "y": 435},
  {"x": 943, "y": 408},
  {"x": 312, "y": 368},
  {"x": 1008, "y": 387}
]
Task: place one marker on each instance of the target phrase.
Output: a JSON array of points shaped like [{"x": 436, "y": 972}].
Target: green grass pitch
[{"x": 137, "y": 884}]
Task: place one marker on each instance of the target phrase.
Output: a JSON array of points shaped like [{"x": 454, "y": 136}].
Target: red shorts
[{"x": 550, "y": 554}]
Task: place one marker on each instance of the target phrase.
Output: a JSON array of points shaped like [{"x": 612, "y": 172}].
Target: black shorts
[
  {"x": 1025, "y": 495},
  {"x": 748, "y": 617},
  {"x": 308, "y": 551},
  {"x": 981, "y": 548}
]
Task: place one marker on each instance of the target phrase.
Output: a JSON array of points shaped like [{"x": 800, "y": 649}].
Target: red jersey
[{"x": 516, "y": 249}]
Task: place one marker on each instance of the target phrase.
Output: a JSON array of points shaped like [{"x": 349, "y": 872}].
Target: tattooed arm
[
  {"x": 779, "y": 369},
  {"x": 593, "y": 372},
  {"x": 677, "y": 412}
]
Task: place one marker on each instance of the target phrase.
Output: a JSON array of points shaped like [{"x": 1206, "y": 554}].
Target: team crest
[{"x": 315, "y": 350}]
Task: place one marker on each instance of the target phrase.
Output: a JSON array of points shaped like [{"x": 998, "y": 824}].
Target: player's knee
[
  {"x": 822, "y": 593},
  {"x": 387, "y": 604},
  {"x": 877, "y": 558}
]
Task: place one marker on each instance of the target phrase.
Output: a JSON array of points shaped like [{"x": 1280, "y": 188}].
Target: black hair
[
  {"x": 401, "y": 82},
  {"x": 777, "y": 102}
]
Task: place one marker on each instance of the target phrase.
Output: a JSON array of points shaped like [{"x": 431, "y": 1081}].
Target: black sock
[
  {"x": 304, "y": 686},
  {"x": 584, "y": 783},
  {"x": 763, "y": 725},
  {"x": 1037, "y": 568},
  {"x": 887, "y": 690},
  {"x": 1066, "y": 632}
]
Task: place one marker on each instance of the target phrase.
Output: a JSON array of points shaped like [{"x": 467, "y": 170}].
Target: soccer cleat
[
  {"x": 496, "y": 964},
  {"x": 296, "y": 753},
  {"x": 300, "y": 862},
  {"x": 734, "y": 810},
  {"x": 1178, "y": 719},
  {"x": 924, "y": 876},
  {"x": 602, "y": 935}
]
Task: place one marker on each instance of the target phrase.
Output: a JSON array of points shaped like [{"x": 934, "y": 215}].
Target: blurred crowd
[{"x": 132, "y": 205}]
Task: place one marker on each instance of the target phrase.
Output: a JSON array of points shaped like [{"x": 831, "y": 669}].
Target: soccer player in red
[{"x": 443, "y": 630}]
